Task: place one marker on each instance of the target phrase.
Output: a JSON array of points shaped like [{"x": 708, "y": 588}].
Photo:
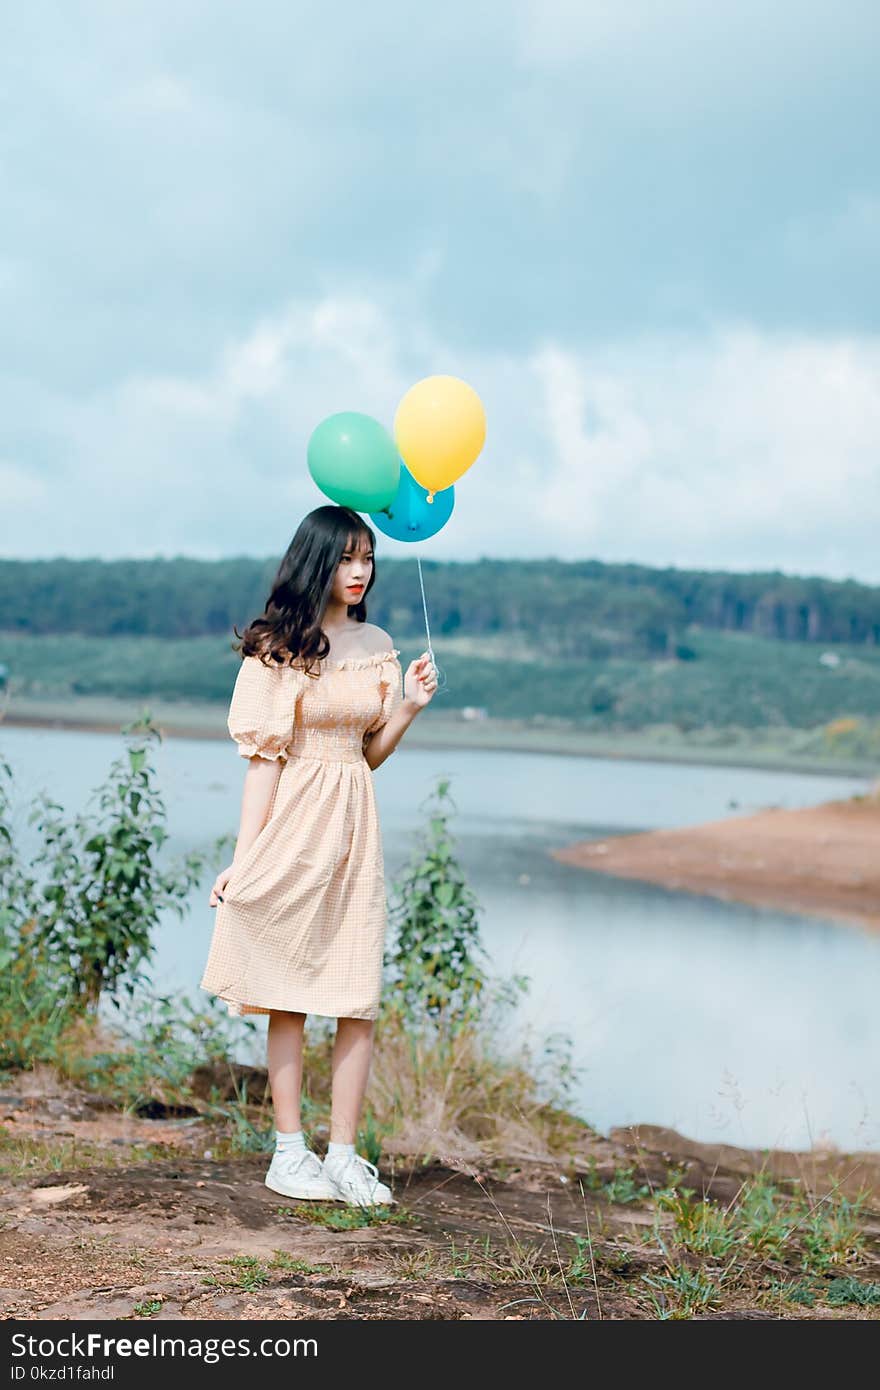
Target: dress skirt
[{"x": 303, "y": 922}]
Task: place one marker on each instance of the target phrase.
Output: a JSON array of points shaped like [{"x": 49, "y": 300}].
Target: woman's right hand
[{"x": 219, "y": 886}]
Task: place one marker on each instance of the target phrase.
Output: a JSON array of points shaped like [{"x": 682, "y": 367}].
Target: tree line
[{"x": 580, "y": 609}]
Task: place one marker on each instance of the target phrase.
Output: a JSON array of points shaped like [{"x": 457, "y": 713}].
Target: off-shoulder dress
[{"x": 302, "y": 925}]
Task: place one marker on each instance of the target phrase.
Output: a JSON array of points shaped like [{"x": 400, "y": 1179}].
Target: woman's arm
[
  {"x": 259, "y": 787},
  {"x": 383, "y": 742},
  {"x": 419, "y": 685}
]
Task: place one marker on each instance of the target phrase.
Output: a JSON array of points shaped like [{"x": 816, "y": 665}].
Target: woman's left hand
[{"x": 420, "y": 681}]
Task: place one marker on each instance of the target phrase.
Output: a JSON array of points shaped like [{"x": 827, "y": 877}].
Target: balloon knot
[{"x": 430, "y": 498}]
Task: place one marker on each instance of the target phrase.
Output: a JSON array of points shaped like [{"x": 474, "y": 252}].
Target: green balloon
[{"x": 354, "y": 461}]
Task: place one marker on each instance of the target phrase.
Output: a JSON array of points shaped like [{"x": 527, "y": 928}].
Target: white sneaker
[
  {"x": 299, "y": 1175},
  {"x": 356, "y": 1181}
]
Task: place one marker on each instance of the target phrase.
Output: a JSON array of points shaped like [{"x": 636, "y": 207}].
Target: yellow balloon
[{"x": 440, "y": 428}]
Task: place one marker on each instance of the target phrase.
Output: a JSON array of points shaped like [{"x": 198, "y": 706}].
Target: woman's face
[{"x": 354, "y": 571}]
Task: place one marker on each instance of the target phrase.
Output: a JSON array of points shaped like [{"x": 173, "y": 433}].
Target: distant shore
[
  {"x": 820, "y": 861},
  {"x": 448, "y": 730}
]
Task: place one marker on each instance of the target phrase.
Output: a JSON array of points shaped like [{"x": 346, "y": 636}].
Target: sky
[{"x": 647, "y": 234}]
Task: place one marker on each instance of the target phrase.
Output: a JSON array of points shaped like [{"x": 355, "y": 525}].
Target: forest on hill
[
  {"x": 581, "y": 610},
  {"x": 601, "y": 646}
]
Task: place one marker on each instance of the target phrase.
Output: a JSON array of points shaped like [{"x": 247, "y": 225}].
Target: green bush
[
  {"x": 435, "y": 966},
  {"x": 80, "y": 925}
]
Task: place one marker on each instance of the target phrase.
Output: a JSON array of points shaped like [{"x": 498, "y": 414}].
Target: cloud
[
  {"x": 647, "y": 234},
  {"x": 564, "y": 170},
  {"x": 161, "y": 94},
  {"x": 745, "y": 449},
  {"x": 21, "y": 489},
  {"x": 740, "y": 449}
]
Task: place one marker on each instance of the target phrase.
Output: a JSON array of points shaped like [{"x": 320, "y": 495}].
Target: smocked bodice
[{"x": 280, "y": 712}]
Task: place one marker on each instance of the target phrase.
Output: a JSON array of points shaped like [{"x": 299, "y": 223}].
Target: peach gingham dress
[{"x": 302, "y": 925}]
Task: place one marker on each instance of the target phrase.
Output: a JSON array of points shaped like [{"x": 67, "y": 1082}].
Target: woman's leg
[
  {"x": 352, "y": 1053},
  {"x": 285, "y": 1054}
]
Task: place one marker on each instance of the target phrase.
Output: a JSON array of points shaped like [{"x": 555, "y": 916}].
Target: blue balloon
[{"x": 410, "y": 517}]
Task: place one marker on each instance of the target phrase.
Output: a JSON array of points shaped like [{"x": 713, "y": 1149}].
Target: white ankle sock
[
  {"x": 339, "y": 1150},
  {"x": 293, "y": 1142}
]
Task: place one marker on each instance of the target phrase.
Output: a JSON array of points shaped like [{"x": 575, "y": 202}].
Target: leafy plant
[
  {"x": 148, "y": 1308},
  {"x": 702, "y": 1226},
  {"x": 620, "y": 1188},
  {"x": 104, "y": 889},
  {"x": 247, "y": 1138},
  {"x": 845, "y": 1290},
  {"x": 435, "y": 967},
  {"x": 83, "y": 927},
  {"x": 33, "y": 1016},
  {"x": 582, "y": 1264},
  {"x": 831, "y": 1232}
]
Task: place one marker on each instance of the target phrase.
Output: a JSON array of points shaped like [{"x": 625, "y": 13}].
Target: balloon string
[{"x": 441, "y": 675}]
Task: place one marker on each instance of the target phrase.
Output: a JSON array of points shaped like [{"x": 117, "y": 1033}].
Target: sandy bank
[{"x": 823, "y": 861}]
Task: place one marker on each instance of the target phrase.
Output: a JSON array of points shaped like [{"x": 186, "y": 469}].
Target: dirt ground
[
  {"x": 110, "y": 1216},
  {"x": 823, "y": 861}
]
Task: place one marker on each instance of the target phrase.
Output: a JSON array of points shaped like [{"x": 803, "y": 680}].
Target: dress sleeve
[
  {"x": 391, "y": 688},
  {"x": 262, "y": 711}
]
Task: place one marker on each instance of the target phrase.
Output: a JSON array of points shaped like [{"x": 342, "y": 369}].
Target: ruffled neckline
[{"x": 353, "y": 663}]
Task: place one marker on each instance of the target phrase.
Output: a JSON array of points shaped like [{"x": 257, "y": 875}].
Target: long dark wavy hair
[{"x": 290, "y": 624}]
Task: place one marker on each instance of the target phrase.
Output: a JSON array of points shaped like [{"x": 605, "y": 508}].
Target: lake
[{"x": 720, "y": 1020}]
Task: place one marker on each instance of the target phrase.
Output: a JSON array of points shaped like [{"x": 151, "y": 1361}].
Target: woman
[{"x": 300, "y": 927}]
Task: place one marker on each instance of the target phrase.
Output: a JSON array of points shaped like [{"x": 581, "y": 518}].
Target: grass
[
  {"x": 441, "y": 1096},
  {"x": 620, "y": 1188},
  {"x": 344, "y": 1218},
  {"x": 425, "y": 1263},
  {"x": 846, "y": 1290},
  {"x": 23, "y": 1156},
  {"x": 490, "y": 1259},
  {"x": 513, "y": 1259},
  {"x": 173, "y": 1037},
  {"x": 248, "y": 1273},
  {"x": 767, "y": 1226},
  {"x": 842, "y": 1291},
  {"x": 245, "y": 1272},
  {"x": 681, "y": 1292},
  {"x": 731, "y": 703},
  {"x": 452, "y": 1096},
  {"x": 768, "y": 1223},
  {"x": 283, "y": 1261},
  {"x": 713, "y": 1255}
]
